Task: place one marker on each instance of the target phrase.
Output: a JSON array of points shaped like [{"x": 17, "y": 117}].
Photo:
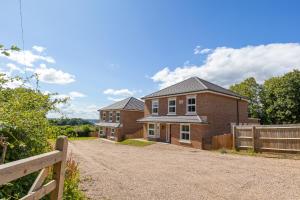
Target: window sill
[
  {"x": 171, "y": 114},
  {"x": 191, "y": 113},
  {"x": 152, "y": 136},
  {"x": 112, "y": 137},
  {"x": 185, "y": 141}
]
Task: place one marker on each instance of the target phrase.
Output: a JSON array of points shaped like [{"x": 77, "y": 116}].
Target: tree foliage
[
  {"x": 250, "y": 89},
  {"x": 276, "y": 101},
  {"x": 69, "y": 121}
]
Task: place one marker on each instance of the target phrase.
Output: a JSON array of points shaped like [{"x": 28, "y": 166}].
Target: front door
[{"x": 168, "y": 133}]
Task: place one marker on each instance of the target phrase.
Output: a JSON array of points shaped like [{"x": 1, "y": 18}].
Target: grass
[{"x": 136, "y": 143}]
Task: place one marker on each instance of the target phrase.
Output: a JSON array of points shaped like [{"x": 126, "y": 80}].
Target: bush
[{"x": 71, "y": 187}]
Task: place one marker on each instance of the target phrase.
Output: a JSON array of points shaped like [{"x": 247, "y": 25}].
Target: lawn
[{"x": 137, "y": 143}]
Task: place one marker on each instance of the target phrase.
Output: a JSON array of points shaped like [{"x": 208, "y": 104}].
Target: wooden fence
[
  {"x": 17, "y": 169},
  {"x": 277, "y": 138},
  {"x": 222, "y": 141}
]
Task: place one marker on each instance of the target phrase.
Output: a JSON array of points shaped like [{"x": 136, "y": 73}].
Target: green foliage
[
  {"x": 74, "y": 131},
  {"x": 281, "y": 98},
  {"x": 250, "y": 89},
  {"x": 5, "y": 51},
  {"x": 71, "y": 187},
  {"x": 71, "y": 122},
  {"x": 277, "y": 101}
]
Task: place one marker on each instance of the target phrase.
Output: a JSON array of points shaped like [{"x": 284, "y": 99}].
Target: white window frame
[
  {"x": 110, "y": 116},
  {"x": 187, "y": 104},
  {"x": 151, "y": 130},
  {"x": 101, "y": 130},
  {"x": 185, "y": 132},
  {"x": 112, "y": 132},
  {"x": 104, "y": 116},
  {"x": 118, "y": 116},
  {"x": 155, "y": 101},
  {"x": 171, "y": 106}
]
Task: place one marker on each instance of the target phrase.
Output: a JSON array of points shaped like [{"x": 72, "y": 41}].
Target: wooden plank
[
  {"x": 17, "y": 169},
  {"x": 273, "y": 138},
  {"x": 244, "y": 137},
  {"x": 43, "y": 191},
  {"x": 294, "y": 150},
  {"x": 59, "y": 168},
  {"x": 39, "y": 180}
]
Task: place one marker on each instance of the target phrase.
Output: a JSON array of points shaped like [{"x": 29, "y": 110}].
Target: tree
[
  {"x": 250, "y": 89},
  {"x": 281, "y": 98}
]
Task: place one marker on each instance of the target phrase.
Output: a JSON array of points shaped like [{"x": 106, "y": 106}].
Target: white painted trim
[
  {"x": 110, "y": 120},
  {"x": 185, "y": 124},
  {"x": 172, "y": 99},
  {"x": 155, "y": 100},
  {"x": 186, "y": 104},
  {"x": 191, "y": 93},
  {"x": 118, "y": 112}
]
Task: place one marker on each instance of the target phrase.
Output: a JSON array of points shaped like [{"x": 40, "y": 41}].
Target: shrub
[{"x": 71, "y": 187}]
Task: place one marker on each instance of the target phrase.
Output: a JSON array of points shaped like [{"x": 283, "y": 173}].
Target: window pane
[
  {"x": 151, "y": 126},
  {"x": 172, "y": 103},
  {"x": 171, "y": 109},
  {"x": 155, "y": 110}
]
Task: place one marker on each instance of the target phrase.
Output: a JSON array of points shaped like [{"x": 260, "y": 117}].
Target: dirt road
[{"x": 163, "y": 171}]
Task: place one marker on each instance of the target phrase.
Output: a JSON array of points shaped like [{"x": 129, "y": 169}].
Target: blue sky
[{"x": 97, "y": 51}]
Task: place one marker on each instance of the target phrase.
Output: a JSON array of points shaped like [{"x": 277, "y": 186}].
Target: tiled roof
[
  {"x": 193, "y": 84},
  {"x": 129, "y": 103},
  {"x": 108, "y": 124},
  {"x": 175, "y": 119}
]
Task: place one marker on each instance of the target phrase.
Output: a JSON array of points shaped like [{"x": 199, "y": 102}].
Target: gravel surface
[{"x": 163, "y": 171}]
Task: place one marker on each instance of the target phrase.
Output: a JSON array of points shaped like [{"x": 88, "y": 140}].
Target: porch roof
[
  {"x": 175, "y": 119},
  {"x": 108, "y": 124}
]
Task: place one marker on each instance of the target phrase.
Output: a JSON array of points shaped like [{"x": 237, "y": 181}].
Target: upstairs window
[
  {"x": 110, "y": 116},
  {"x": 155, "y": 107},
  {"x": 117, "y": 116},
  {"x": 104, "y": 116},
  {"x": 191, "y": 104},
  {"x": 172, "y": 106}
]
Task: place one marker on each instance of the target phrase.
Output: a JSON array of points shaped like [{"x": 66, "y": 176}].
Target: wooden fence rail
[
  {"x": 284, "y": 138},
  {"x": 17, "y": 169}
]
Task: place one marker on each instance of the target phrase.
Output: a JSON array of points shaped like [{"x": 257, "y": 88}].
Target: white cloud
[
  {"x": 39, "y": 49},
  {"x": 54, "y": 76},
  {"x": 226, "y": 66},
  {"x": 12, "y": 67},
  {"x": 75, "y": 94},
  {"x": 114, "y": 99},
  {"x": 197, "y": 50},
  {"x": 205, "y": 51},
  {"x": 120, "y": 92},
  {"x": 76, "y": 110},
  {"x": 27, "y": 58}
]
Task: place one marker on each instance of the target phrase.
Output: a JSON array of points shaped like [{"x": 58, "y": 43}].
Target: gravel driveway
[{"x": 163, "y": 171}]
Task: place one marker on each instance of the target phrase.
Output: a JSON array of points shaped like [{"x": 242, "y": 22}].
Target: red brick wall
[
  {"x": 128, "y": 120},
  {"x": 221, "y": 111}
]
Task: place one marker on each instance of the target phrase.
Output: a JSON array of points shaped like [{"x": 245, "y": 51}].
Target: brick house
[
  {"x": 191, "y": 110},
  {"x": 119, "y": 119}
]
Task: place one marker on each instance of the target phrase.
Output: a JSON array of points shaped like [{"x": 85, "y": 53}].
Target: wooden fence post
[
  {"x": 254, "y": 138},
  {"x": 235, "y": 146},
  {"x": 59, "y": 168}
]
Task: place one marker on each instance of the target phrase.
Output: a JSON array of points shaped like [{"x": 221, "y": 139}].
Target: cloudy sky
[{"x": 97, "y": 52}]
